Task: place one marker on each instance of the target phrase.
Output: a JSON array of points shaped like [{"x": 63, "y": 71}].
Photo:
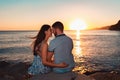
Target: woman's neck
[{"x": 46, "y": 38}]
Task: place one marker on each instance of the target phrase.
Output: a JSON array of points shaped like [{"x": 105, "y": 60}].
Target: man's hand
[{"x": 63, "y": 64}]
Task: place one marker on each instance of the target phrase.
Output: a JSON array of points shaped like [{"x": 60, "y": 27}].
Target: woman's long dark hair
[{"x": 40, "y": 37}]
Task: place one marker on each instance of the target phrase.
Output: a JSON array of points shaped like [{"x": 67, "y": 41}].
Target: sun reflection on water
[
  {"x": 78, "y": 56},
  {"x": 77, "y": 44},
  {"x": 77, "y": 48},
  {"x": 78, "y": 34}
]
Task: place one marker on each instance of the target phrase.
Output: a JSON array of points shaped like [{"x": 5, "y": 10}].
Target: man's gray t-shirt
[{"x": 62, "y": 47}]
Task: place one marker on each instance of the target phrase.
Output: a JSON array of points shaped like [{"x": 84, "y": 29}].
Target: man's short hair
[{"x": 58, "y": 25}]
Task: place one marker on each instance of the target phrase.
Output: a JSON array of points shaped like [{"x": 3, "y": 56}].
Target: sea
[{"x": 94, "y": 50}]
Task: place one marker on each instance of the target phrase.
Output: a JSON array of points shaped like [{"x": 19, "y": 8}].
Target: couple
[{"x": 57, "y": 56}]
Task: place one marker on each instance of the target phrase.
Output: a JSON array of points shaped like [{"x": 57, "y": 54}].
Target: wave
[{"x": 17, "y": 50}]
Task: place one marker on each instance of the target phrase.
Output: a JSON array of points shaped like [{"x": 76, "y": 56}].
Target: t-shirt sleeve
[{"x": 51, "y": 46}]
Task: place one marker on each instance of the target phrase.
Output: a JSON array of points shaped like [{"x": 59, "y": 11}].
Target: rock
[
  {"x": 83, "y": 77},
  {"x": 115, "y": 27},
  {"x": 105, "y": 76},
  {"x": 4, "y": 64},
  {"x": 64, "y": 76},
  {"x": 9, "y": 77},
  {"x": 13, "y": 71},
  {"x": 19, "y": 67},
  {"x": 18, "y": 70}
]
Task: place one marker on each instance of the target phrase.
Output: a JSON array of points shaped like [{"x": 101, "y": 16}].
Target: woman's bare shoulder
[{"x": 44, "y": 44}]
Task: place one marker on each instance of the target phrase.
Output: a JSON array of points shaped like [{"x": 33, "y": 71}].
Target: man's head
[{"x": 58, "y": 28}]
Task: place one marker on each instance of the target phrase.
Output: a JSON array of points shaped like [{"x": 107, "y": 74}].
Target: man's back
[{"x": 62, "y": 47}]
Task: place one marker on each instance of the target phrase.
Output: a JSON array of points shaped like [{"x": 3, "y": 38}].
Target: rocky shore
[
  {"x": 115, "y": 26},
  {"x": 15, "y": 71},
  {"x": 12, "y": 71}
]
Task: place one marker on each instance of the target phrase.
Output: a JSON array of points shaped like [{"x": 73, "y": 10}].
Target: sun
[{"x": 78, "y": 25}]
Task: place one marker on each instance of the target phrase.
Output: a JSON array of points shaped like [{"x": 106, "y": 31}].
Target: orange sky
[{"x": 30, "y": 15}]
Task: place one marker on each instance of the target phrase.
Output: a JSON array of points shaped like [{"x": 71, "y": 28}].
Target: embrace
[{"x": 57, "y": 56}]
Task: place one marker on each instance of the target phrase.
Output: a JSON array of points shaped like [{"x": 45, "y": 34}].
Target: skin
[{"x": 46, "y": 59}]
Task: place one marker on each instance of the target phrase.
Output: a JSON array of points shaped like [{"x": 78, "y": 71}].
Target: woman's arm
[
  {"x": 50, "y": 56},
  {"x": 44, "y": 58}
]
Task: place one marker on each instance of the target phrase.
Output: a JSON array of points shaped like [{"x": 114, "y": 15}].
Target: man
[{"x": 61, "y": 47}]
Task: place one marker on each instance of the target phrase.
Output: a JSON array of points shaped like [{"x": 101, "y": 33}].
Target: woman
[{"x": 40, "y": 63}]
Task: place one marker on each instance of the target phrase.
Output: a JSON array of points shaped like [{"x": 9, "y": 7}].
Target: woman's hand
[{"x": 63, "y": 64}]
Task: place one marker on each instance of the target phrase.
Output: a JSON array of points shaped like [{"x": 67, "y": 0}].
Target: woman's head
[{"x": 44, "y": 31}]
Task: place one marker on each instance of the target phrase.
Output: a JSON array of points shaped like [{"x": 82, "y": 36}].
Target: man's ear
[{"x": 57, "y": 29}]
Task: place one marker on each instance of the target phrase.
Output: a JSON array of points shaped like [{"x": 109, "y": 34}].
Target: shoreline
[{"x": 15, "y": 71}]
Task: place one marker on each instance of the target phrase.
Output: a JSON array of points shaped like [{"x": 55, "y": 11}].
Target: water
[{"x": 94, "y": 50}]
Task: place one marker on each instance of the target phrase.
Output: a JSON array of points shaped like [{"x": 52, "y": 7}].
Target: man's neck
[{"x": 60, "y": 33}]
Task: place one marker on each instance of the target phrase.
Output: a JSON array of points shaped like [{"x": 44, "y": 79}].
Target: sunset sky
[{"x": 31, "y": 14}]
